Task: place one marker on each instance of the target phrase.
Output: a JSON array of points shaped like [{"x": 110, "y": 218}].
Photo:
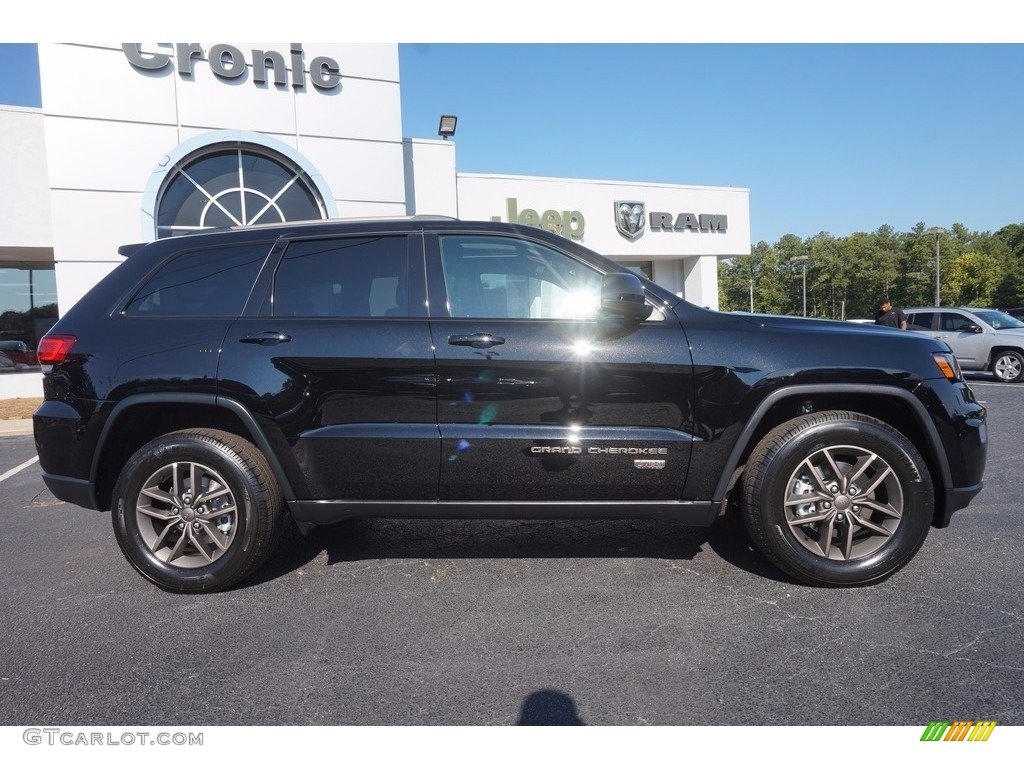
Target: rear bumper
[
  {"x": 65, "y": 456},
  {"x": 72, "y": 490}
]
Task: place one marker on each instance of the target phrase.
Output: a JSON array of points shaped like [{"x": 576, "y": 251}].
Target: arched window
[{"x": 230, "y": 185}]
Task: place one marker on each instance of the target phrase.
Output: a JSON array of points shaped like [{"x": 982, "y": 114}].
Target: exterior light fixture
[{"x": 446, "y": 127}]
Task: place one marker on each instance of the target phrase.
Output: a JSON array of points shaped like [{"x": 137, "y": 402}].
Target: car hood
[{"x": 815, "y": 324}]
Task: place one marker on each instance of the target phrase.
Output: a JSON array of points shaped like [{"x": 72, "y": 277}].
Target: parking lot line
[{"x": 17, "y": 469}]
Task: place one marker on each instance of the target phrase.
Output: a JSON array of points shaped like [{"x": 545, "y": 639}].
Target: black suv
[{"x": 214, "y": 384}]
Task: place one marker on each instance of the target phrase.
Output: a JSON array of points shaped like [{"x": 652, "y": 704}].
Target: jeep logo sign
[
  {"x": 569, "y": 224},
  {"x": 228, "y": 62}
]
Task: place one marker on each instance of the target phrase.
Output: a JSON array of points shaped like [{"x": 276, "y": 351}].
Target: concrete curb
[{"x": 12, "y": 427}]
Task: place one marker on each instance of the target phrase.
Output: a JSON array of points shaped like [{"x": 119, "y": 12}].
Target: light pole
[
  {"x": 937, "y": 231},
  {"x": 804, "y": 260}
]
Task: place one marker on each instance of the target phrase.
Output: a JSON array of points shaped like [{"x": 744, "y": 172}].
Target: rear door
[
  {"x": 538, "y": 398},
  {"x": 337, "y": 363}
]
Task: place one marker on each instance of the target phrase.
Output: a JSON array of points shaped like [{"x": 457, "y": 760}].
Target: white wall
[
  {"x": 430, "y": 181},
  {"x": 28, "y": 384},
  {"x": 109, "y": 125},
  {"x": 482, "y": 196},
  {"x": 24, "y": 193},
  {"x": 683, "y": 260}
]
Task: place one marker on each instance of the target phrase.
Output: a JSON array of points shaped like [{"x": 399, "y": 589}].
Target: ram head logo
[{"x": 629, "y": 218}]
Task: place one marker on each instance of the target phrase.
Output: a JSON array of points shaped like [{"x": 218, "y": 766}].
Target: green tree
[
  {"x": 847, "y": 275},
  {"x": 1010, "y": 291},
  {"x": 971, "y": 280},
  {"x": 736, "y": 279}
]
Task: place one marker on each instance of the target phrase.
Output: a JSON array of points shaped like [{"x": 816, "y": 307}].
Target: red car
[{"x": 18, "y": 354}]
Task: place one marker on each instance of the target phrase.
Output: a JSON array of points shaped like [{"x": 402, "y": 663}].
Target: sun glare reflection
[{"x": 582, "y": 348}]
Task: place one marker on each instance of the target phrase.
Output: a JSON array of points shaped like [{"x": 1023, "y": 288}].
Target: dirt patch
[{"x": 19, "y": 407}]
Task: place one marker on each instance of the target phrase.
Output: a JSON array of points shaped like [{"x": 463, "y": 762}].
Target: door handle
[
  {"x": 266, "y": 339},
  {"x": 476, "y": 340}
]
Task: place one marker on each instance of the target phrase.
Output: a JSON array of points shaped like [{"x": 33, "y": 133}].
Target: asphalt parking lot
[{"x": 499, "y": 623}]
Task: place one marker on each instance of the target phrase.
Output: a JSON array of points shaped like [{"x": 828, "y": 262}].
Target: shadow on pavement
[{"x": 376, "y": 539}]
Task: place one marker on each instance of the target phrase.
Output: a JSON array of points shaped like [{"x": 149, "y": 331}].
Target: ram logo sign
[{"x": 629, "y": 218}]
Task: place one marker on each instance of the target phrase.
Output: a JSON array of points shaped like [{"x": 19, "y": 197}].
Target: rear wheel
[
  {"x": 1008, "y": 366},
  {"x": 197, "y": 510},
  {"x": 837, "y": 499}
]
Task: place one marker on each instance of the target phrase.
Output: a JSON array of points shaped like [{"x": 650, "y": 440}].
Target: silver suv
[{"x": 981, "y": 339}]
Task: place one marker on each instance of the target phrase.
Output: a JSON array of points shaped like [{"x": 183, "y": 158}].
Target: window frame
[
  {"x": 415, "y": 287},
  {"x": 518, "y": 241},
  {"x": 176, "y": 255}
]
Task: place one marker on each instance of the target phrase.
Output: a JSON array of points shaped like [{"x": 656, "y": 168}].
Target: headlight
[{"x": 948, "y": 365}]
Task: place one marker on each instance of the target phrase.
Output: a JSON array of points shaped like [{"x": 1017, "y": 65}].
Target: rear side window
[
  {"x": 210, "y": 283},
  {"x": 920, "y": 321},
  {"x": 344, "y": 277}
]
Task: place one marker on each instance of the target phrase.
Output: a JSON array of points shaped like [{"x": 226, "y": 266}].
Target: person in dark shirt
[{"x": 890, "y": 316}]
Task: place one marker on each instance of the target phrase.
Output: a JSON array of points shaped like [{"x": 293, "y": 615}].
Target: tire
[
  {"x": 185, "y": 546},
  {"x": 1008, "y": 366},
  {"x": 837, "y": 499}
]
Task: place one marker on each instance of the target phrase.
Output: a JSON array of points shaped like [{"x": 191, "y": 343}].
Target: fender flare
[
  {"x": 934, "y": 447},
  {"x": 255, "y": 434}
]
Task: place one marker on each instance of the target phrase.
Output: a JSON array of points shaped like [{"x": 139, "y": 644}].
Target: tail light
[{"x": 54, "y": 350}]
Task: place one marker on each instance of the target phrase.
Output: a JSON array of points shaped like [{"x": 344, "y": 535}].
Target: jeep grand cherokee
[{"x": 214, "y": 384}]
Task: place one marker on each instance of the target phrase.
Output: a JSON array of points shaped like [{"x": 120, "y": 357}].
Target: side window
[
  {"x": 920, "y": 321},
  {"x": 504, "y": 277},
  {"x": 343, "y": 277},
  {"x": 205, "y": 283},
  {"x": 951, "y": 321}
]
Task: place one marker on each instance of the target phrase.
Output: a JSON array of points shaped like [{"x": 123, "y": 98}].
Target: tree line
[{"x": 846, "y": 276}]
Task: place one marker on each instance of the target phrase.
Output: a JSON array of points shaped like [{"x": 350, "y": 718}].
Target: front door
[{"x": 539, "y": 398}]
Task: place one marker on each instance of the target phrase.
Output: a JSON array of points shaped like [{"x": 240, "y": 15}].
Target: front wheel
[
  {"x": 197, "y": 510},
  {"x": 837, "y": 499},
  {"x": 1008, "y": 366}
]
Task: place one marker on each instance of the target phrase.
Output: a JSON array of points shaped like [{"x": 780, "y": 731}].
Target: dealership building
[{"x": 142, "y": 141}]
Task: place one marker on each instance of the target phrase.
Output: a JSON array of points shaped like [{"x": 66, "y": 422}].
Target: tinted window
[
  {"x": 920, "y": 321},
  {"x": 203, "y": 282},
  {"x": 954, "y": 321},
  {"x": 343, "y": 277},
  {"x": 503, "y": 277},
  {"x": 28, "y": 301}
]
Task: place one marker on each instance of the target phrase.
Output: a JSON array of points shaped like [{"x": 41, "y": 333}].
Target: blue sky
[{"x": 827, "y": 137}]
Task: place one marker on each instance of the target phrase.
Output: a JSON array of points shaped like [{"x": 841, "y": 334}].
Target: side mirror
[
  {"x": 622, "y": 295},
  {"x": 972, "y": 328}
]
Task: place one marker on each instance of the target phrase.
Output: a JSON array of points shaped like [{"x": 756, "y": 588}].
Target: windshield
[{"x": 998, "y": 319}]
